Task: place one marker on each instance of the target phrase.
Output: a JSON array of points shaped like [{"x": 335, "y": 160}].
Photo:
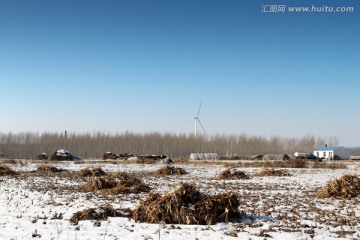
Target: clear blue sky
[{"x": 145, "y": 65}]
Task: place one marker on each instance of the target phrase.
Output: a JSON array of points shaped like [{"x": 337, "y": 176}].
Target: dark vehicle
[{"x": 312, "y": 157}]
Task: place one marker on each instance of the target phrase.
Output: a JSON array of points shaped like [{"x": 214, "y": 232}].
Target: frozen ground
[{"x": 36, "y": 205}]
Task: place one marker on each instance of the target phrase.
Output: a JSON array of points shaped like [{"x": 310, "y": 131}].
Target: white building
[
  {"x": 204, "y": 156},
  {"x": 332, "y": 153}
]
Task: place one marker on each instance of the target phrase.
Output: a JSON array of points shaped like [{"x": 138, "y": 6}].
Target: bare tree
[{"x": 93, "y": 145}]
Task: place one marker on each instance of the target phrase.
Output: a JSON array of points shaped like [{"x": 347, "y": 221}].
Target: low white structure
[
  {"x": 204, "y": 156},
  {"x": 333, "y": 153}
]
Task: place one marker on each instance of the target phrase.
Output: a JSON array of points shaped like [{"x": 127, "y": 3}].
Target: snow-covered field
[{"x": 34, "y": 205}]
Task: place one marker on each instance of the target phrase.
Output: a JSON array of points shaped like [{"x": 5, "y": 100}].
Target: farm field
[{"x": 39, "y": 201}]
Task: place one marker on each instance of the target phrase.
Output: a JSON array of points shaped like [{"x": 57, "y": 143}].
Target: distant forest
[{"x": 94, "y": 145}]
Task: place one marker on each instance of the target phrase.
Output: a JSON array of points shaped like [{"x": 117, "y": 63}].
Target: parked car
[
  {"x": 312, "y": 157},
  {"x": 308, "y": 156}
]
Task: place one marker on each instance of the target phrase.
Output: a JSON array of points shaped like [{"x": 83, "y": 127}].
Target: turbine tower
[{"x": 197, "y": 120}]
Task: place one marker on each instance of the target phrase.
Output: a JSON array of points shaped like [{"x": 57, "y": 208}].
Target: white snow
[{"x": 274, "y": 207}]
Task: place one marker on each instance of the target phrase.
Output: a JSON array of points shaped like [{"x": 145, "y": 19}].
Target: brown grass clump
[
  {"x": 98, "y": 184},
  {"x": 91, "y": 172},
  {"x": 42, "y": 156},
  {"x": 297, "y": 163},
  {"x": 232, "y": 174},
  {"x": 5, "y": 170},
  {"x": 101, "y": 213},
  {"x": 329, "y": 165},
  {"x": 347, "y": 186},
  {"x": 9, "y": 161},
  {"x": 120, "y": 175},
  {"x": 132, "y": 185},
  {"x": 110, "y": 185},
  {"x": 186, "y": 205},
  {"x": 49, "y": 169},
  {"x": 273, "y": 172},
  {"x": 292, "y": 163},
  {"x": 146, "y": 161},
  {"x": 169, "y": 170}
]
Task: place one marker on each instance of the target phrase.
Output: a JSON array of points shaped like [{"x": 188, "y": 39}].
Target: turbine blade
[
  {"x": 201, "y": 126},
  {"x": 199, "y": 109}
]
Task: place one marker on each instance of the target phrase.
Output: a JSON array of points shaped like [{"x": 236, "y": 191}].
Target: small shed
[
  {"x": 204, "y": 156},
  {"x": 333, "y": 153}
]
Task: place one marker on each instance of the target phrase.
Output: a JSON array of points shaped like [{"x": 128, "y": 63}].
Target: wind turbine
[{"x": 197, "y": 120}]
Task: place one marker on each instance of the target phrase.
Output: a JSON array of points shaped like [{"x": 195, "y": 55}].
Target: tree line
[{"x": 92, "y": 145}]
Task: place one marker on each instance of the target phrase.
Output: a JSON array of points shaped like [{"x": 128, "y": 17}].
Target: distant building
[
  {"x": 204, "y": 156},
  {"x": 333, "y": 153}
]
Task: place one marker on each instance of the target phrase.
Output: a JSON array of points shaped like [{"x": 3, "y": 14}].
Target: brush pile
[
  {"x": 232, "y": 174},
  {"x": 42, "y": 156},
  {"x": 91, "y": 172},
  {"x": 98, "y": 184},
  {"x": 101, "y": 213},
  {"x": 110, "y": 155},
  {"x": 273, "y": 172},
  {"x": 347, "y": 186},
  {"x": 49, "y": 169},
  {"x": 151, "y": 159},
  {"x": 111, "y": 186},
  {"x": 120, "y": 175},
  {"x": 132, "y": 185},
  {"x": 5, "y": 170},
  {"x": 186, "y": 205},
  {"x": 169, "y": 170}
]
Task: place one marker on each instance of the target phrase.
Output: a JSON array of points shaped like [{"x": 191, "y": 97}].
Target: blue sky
[{"x": 145, "y": 65}]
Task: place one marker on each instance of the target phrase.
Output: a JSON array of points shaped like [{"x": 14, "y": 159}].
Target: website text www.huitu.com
[{"x": 306, "y": 9}]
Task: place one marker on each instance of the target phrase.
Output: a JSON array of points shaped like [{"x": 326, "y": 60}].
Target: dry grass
[
  {"x": 169, "y": 170},
  {"x": 8, "y": 161},
  {"x": 329, "y": 165},
  {"x": 5, "y": 170},
  {"x": 120, "y": 175},
  {"x": 133, "y": 185},
  {"x": 49, "y": 169},
  {"x": 186, "y": 205},
  {"x": 91, "y": 172},
  {"x": 98, "y": 184},
  {"x": 273, "y": 172},
  {"x": 101, "y": 213},
  {"x": 111, "y": 186},
  {"x": 293, "y": 163},
  {"x": 232, "y": 174},
  {"x": 347, "y": 186},
  {"x": 140, "y": 161},
  {"x": 146, "y": 161}
]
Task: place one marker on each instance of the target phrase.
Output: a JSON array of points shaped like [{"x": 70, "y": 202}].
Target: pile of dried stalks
[
  {"x": 91, "y": 172},
  {"x": 169, "y": 170},
  {"x": 132, "y": 185},
  {"x": 120, "y": 175},
  {"x": 49, "y": 169},
  {"x": 273, "y": 172},
  {"x": 186, "y": 205},
  {"x": 98, "y": 184},
  {"x": 101, "y": 213},
  {"x": 347, "y": 186},
  {"x": 146, "y": 161},
  {"x": 110, "y": 185},
  {"x": 232, "y": 174},
  {"x": 5, "y": 170}
]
